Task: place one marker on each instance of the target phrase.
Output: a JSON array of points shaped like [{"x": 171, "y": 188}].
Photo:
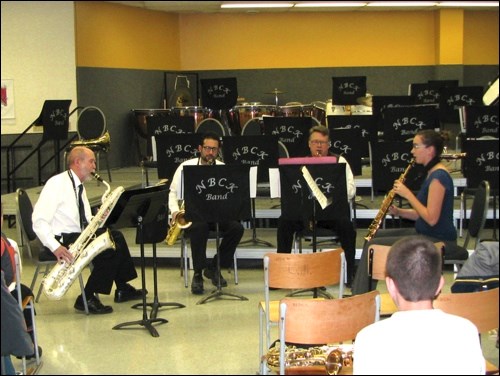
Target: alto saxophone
[
  {"x": 374, "y": 226},
  {"x": 177, "y": 226},
  {"x": 84, "y": 249}
]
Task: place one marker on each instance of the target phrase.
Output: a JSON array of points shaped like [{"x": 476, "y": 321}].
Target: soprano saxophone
[
  {"x": 84, "y": 249},
  {"x": 374, "y": 226}
]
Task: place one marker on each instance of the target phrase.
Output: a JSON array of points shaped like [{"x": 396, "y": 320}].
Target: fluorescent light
[
  {"x": 468, "y": 4},
  {"x": 401, "y": 4},
  {"x": 310, "y": 4},
  {"x": 256, "y": 5}
]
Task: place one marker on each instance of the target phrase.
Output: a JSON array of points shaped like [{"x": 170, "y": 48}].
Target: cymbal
[
  {"x": 365, "y": 101},
  {"x": 275, "y": 92}
]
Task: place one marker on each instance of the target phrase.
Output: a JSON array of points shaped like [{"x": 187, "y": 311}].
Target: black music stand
[
  {"x": 300, "y": 203},
  {"x": 260, "y": 151},
  {"x": 156, "y": 232},
  {"x": 138, "y": 208},
  {"x": 214, "y": 194}
]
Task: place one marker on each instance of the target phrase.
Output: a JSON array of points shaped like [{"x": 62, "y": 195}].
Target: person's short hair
[
  {"x": 211, "y": 136},
  {"x": 432, "y": 138},
  {"x": 320, "y": 129},
  {"x": 414, "y": 264},
  {"x": 78, "y": 152}
]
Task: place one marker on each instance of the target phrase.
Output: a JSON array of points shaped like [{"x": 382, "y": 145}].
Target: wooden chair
[
  {"x": 479, "y": 307},
  {"x": 377, "y": 258},
  {"x": 295, "y": 271},
  {"x": 313, "y": 322}
]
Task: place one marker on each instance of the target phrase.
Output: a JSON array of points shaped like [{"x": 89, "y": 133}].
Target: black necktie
[{"x": 81, "y": 208}]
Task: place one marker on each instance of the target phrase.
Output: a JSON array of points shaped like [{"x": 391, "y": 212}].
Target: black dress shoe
[
  {"x": 212, "y": 274},
  {"x": 32, "y": 356},
  {"x": 197, "y": 284},
  {"x": 129, "y": 293},
  {"x": 94, "y": 304}
]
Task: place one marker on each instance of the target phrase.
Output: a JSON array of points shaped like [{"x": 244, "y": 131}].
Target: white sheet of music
[
  {"x": 274, "y": 183},
  {"x": 323, "y": 201},
  {"x": 253, "y": 181}
]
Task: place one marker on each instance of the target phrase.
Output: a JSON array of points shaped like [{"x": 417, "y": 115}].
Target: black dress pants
[
  {"x": 230, "y": 232},
  {"x": 109, "y": 265}
]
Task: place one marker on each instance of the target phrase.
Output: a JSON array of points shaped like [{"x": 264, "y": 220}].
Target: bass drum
[{"x": 198, "y": 113}]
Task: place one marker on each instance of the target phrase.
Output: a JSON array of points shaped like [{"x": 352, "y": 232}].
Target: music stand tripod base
[{"x": 155, "y": 305}]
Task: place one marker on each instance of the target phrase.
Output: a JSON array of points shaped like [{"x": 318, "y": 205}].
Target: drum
[
  {"x": 315, "y": 110},
  {"x": 318, "y": 112},
  {"x": 199, "y": 113},
  {"x": 213, "y": 126},
  {"x": 141, "y": 127},
  {"x": 242, "y": 114}
]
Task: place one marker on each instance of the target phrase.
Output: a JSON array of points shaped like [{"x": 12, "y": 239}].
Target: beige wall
[{"x": 38, "y": 53}]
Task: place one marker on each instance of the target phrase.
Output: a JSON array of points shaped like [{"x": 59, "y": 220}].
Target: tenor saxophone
[
  {"x": 177, "y": 226},
  {"x": 84, "y": 249},
  {"x": 374, "y": 226}
]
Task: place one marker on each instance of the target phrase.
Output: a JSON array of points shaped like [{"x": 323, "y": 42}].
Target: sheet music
[
  {"x": 314, "y": 188},
  {"x": 274, "y": 183},
  {"x": 253, "y": 181}
]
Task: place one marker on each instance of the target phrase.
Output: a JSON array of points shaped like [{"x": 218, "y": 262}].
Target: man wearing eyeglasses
[
  {"x": 319, "y": 146},
  {"x": 198, "y": 231}
]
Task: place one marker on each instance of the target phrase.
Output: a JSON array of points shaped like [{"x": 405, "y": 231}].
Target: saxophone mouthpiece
[{"x": 97, "y": 176}]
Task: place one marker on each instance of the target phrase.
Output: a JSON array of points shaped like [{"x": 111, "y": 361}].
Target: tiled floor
[{"x": 218, "y": 337}]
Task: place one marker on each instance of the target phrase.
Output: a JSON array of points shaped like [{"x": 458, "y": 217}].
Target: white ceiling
[{"x": 214, "y": 7}]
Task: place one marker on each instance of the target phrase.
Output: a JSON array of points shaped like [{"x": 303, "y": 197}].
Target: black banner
[
  {"x": 217, "y": 193},
  {"x": 346, "y": 90}
]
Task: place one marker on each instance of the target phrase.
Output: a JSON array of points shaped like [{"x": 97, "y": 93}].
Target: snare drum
[
  {"x": 244, "y": 113},
  {"x": 199, "y": 113}
]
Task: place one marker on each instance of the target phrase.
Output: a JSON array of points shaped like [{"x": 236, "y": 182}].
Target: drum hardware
[{"x": 276, "y": 92}]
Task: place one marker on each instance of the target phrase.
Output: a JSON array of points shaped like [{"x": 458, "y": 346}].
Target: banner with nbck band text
[{"x": 217, "y": 193}]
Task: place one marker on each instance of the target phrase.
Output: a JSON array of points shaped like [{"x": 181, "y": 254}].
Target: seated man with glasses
[
  {"x": 198, "y": 231},
  {"x": 319, "y": 145}
]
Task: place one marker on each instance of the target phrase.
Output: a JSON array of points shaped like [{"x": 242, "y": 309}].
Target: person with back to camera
[
  {"x": 319, "y": 145},
  {"x": 431, "y": 208},
  {"x": 417, "y": 339},
  {"x": 57, "y": 223},
  {"x": 198, "y": 231}
]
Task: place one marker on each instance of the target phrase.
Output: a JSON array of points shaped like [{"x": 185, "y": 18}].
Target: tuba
[
  {"x": 374, "y": 226},
  {"x": 103, "y": 142},
  {"x": 177, "y": 226},
  {"x": 84, "y": 249}
]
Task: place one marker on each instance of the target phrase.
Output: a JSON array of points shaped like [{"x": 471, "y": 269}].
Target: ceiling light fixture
[
  {"x": 331, "y": 4},
  {"x": 401, "y": 4},
  {"x": 462, "y": 4},
  {"x": 256, "y": 5}
]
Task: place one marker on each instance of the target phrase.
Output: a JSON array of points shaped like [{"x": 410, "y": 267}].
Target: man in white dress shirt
[{"x": 57, "y": 223}]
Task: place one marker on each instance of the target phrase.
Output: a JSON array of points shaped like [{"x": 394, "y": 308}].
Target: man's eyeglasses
[
  {"x": 320, "y": 143},
  {"x": 209, "y": 148},
  {"x": 419, "y": 146}
]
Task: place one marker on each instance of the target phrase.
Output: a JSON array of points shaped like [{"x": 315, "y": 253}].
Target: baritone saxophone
[
  {"x": 84, "y": 249},
  {"x": 374, "y": 226}
]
